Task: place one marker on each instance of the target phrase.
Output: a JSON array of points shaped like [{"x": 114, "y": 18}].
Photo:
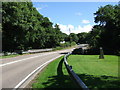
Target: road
[{"x": 16, "y": 70}]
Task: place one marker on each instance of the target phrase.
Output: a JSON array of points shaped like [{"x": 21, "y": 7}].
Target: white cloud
[
  {"x": 49, "y": 18},
  {"x": 63, "y": 28},
  {"x": 39, "y": 8},
  {"x": 78, "y": 14},
  {"x": 85, "y": 21},
  {"x": 73, "y": 29},
  {"x": 70, "y": 27},
  {"x": 85, "y": 28}
]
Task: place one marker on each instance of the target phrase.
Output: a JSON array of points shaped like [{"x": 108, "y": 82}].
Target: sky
[{"x": 75, "y": 17}]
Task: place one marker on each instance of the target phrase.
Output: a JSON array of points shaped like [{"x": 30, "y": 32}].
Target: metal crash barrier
[{"x": 73, "y": 75}]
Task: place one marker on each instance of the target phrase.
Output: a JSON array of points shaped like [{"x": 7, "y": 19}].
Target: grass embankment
[
  {"x": 9, "y": 56},
  {"x": 14, "y": 55},
  {"x": 53, "y": 76},
  {"x": 95, "y": 72}
]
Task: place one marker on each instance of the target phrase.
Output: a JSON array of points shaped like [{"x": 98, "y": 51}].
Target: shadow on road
[{"x": 64, "y": 53}]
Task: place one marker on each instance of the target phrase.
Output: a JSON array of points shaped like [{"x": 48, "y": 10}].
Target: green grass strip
[
  {"x": 95, "y": 72},
  {"x": 9, "y": 56},
  {"x": 54, "y": 76}
]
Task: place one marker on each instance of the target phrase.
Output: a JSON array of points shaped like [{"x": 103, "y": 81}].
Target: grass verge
[
  {"x": 9, "y": 56},
  {"x": 95, "y": 72},
  {"x": 14, "y": 55},
  {"x": 54, "y": 76}
]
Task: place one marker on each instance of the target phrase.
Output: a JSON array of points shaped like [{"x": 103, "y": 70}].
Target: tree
[
  {"x": 73, "y": 37},
  {"x": 82, "y": 37},
  {"x": 23, "y": 27},
  {"x": 108, "y": 18}
]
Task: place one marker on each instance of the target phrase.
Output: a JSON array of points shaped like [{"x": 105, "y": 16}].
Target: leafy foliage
[
  {"x": 72, "y": 38},
  {"x": 106, "y": 33},
  {"x": 82, "y": 38},
  {"x": 108, "y": 18},
  {"x": 23, "y": 27}
]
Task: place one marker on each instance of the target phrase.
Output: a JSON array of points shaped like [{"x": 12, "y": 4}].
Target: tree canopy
[
  {"x": 23, "y": 27},
  {"x": 106, "y": 33},
  {"x": 108, "y": 18}
]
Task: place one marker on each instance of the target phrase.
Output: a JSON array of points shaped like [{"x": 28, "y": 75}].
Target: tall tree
[{"x": 108, "y": 18}]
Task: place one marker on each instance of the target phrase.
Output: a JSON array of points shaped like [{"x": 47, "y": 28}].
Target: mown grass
[
  {"x": 95, "y": 72},
  {"x": 54, "y": 76}
]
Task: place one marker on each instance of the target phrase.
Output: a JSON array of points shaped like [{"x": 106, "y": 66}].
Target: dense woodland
[{"x": 23, "y": 28}]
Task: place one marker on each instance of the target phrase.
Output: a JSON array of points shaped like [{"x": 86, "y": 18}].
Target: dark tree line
[
  {"x": 23, "y": 27},
  {"x": 106, "y": 33}
]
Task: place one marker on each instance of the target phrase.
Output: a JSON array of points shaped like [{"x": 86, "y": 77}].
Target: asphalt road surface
[{"x": 16, "y": 70}]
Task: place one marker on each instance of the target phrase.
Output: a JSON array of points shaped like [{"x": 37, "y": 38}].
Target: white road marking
[
  {"x": 39, "y": 68},
  {"x": 25, "y": 59}
]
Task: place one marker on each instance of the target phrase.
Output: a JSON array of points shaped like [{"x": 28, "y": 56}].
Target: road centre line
[
  {"x": 25, "y": 59},
  {"x": 39, "y": 68}
]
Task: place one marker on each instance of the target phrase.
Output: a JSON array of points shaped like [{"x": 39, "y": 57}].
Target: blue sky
[{"x": 76, "y": 16}]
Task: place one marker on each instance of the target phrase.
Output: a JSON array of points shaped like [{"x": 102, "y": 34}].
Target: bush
[
  {"x": 73, "y": 43},
  {"x": 57, "y": 48}
]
